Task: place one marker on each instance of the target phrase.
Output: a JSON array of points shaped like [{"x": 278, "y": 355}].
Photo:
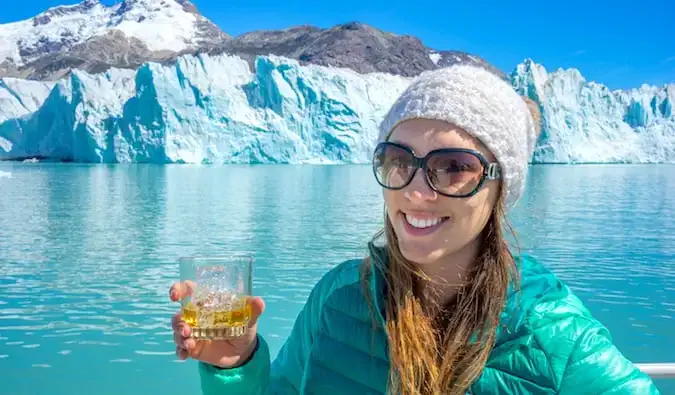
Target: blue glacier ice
[
  {"x": 585, "y": 122},
  {"x": 206, "y": 109},
  {"x": 214, "y": 109}
]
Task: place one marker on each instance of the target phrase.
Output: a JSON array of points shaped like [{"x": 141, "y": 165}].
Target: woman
[{"x": 442, "y": 307}]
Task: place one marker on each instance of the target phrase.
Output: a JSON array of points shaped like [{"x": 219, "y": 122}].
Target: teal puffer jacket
[{"x": 548, "y": 343}]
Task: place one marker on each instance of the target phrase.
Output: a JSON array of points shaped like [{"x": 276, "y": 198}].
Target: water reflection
[{"x": 87, "y": 254}]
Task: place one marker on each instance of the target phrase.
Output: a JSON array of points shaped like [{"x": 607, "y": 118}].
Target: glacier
[
  {"x": 205, "y": 109},
  {"x": 585, "y": 122},
  {"x": 215, "y": 110}
]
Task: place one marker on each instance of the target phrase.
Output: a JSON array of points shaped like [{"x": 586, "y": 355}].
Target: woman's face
[{"x": 430, "y": 226}]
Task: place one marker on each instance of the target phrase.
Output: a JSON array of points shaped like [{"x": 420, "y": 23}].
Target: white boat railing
[{"x": 658, "y": 370}]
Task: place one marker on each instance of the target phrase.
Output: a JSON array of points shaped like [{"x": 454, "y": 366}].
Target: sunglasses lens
[
  {"x": 454, "y": 173},
  {"x": 393, "y": 165}
]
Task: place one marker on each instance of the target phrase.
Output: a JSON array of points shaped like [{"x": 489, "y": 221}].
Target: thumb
[{"x": 257, "y": 308}]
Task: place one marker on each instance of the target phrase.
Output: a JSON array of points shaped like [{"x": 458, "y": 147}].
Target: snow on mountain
[
  {"x": 51, "y": 31},
  {"x": 162, "y": 25},
  {"x": 155, "y": 28},
  {"x": 167, "y": 25},
  {"x": 586, "y": 122},
  {"x": 213, "y": 109},
  {"x": 435, "y": 57}
]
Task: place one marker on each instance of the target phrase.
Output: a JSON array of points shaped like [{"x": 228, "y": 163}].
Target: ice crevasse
[{"x": 214, "y": 109}]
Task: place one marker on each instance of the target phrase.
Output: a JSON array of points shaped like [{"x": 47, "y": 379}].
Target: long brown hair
[{"x": 446, "y": 353}]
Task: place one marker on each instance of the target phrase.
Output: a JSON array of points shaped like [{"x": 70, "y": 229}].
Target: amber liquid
[{"x": 238, "y": 314}]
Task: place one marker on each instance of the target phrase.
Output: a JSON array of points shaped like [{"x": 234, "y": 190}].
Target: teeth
[{"x": 422, "y": 223}]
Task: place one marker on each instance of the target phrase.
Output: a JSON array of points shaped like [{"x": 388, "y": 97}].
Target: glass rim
[
  {"x": 218, "y": 257},
  {"x": 240, "y": 262}
]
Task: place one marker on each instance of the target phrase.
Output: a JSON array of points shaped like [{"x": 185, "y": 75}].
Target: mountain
[
  {"x": 352, "y": 45},
  {"x": 92, "y": 37},
  {"x": 154, "y": 81},
  {"x": 215, "y": 109}
]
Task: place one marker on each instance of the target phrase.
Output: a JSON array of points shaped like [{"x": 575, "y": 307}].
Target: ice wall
[{"x": 204, "y": 109}]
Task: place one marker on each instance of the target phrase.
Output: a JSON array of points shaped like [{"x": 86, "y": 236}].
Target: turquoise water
[{"x": 88, "y": 252}]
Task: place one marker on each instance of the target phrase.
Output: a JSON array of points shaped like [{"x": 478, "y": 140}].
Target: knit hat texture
[{"x": 483, "y": 105}]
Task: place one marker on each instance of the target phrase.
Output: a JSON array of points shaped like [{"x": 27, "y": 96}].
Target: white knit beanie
[{"x": 482, "y": 104}]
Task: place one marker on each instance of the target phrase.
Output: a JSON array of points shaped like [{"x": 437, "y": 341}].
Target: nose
[{"x": 418, "y": 189}]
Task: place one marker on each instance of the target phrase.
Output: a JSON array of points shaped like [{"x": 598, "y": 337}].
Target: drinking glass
[{"x": 219, "y": 304}]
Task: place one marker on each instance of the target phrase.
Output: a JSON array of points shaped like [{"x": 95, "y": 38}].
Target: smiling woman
[
  {"x": 428, "y": 225},
  {"x": 460, "y": 268},
  {"x": 444, "y": 306}
]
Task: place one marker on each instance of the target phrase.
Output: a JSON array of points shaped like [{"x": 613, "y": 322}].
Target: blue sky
[{"x": 621, "y": 45}]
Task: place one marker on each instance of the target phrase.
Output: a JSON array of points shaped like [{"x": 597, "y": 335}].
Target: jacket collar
[{"x": 510, "y": 318}]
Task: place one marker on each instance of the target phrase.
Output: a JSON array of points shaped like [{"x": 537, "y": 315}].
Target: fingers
[
  {"x": 189, "y": 349},
  {"x": 186, "y": 346},
  {"x": 257, "y": 308},
  {"x": 181, "y": 353},
  {"x": 189, "y": 344},
  {"x": 181, "y": 334},
  {"x": 180, "y": 326},
  {"x": 181, "y": 290},
  {"x": 181, "y": 331},
  {"x": 194, "y": 348},
  {"x": 175, "y": 320}
]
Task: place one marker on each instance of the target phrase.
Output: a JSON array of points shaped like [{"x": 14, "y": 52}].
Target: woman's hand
[{"x": 220, "y": 353}]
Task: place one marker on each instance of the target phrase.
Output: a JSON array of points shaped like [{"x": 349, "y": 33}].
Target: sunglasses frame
[{"x": 491, "y": 170}]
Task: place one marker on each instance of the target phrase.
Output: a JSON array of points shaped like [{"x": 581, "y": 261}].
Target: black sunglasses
[{"x": 451, "y": 172}]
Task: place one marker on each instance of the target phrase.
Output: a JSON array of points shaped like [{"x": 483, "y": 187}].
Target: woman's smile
[{"x": 419, "y": 224}]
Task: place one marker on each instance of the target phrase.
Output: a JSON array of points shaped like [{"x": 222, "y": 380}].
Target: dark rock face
[
  {"x": 448, "y": 58},
  {"x": 353, "y": 45},
  {"x": 95, "y": 55}
]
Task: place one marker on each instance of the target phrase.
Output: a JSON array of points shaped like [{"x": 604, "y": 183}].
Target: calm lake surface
[{"x": 88, "y": 252}]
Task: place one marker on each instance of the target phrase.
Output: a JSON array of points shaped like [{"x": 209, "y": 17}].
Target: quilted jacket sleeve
[
  {"x": 552, "y": 344},
  {"x": 596, "y": 366},
  {"x": 285, "y": 374}
]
